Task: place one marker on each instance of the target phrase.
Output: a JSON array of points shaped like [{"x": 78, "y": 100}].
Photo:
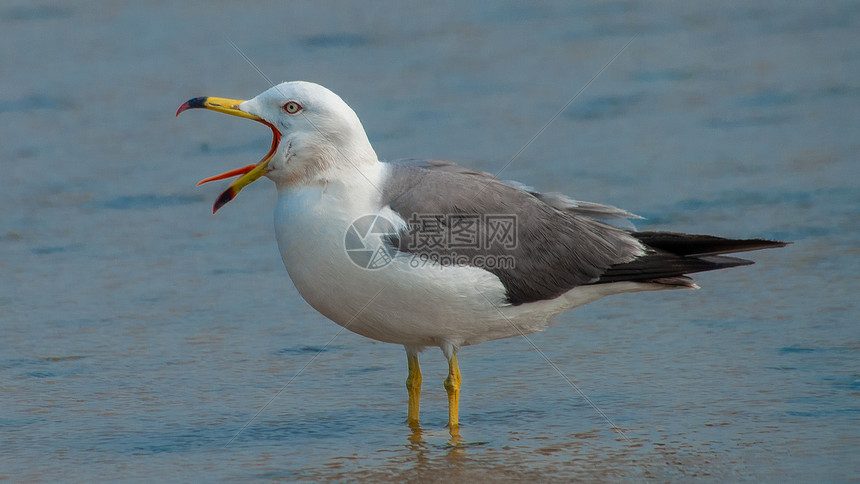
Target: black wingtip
[{"x": 701, "y": 245}]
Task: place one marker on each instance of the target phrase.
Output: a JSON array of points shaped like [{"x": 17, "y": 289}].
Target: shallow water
[{"x": 140, "y": 334}]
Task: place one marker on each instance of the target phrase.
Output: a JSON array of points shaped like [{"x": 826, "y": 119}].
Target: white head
[{"x": 313, "y": 130}]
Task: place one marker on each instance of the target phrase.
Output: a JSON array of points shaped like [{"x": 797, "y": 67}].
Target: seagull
[{"x": 425, "y": 253}]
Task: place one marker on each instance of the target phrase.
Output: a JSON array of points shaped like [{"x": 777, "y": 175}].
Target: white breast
[{"x": 399, "y": 303}]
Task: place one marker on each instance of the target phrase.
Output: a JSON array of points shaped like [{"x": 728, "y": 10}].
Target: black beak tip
[
  {"x": 194, "y": 103},
  {"x": 225, "y": 197}
]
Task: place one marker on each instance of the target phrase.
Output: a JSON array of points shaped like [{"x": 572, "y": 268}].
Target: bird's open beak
[{"x": 249, "y": 173}]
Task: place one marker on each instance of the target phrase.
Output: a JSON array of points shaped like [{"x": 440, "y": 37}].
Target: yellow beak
[{"x": 250, "y": 173}]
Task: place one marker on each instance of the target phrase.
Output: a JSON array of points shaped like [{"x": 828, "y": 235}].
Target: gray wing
[
  {"x": 559, "y": 242},
  {"x": 554, "y": 244},
  {"x": 556, "y": 200}
]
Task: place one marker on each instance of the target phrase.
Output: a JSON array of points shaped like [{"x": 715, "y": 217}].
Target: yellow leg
[
  {"x": 413, "y": 386},
  {"x": 452, "y": 385}
]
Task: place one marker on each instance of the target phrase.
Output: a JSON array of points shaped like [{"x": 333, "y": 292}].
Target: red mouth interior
[{"x": 276, "y": 139}]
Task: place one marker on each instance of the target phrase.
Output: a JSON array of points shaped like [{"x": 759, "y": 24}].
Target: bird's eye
[{"x": 292, "y": 107}]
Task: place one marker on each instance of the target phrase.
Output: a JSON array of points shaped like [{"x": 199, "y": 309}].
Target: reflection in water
[
  {"x": 427, "y": 460},
  {"x": 456, "y": 441},
  {"x": 455, "y": 446}
]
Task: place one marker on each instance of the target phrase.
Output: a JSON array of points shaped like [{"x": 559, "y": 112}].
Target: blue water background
[{"x": 139, "y": 333}]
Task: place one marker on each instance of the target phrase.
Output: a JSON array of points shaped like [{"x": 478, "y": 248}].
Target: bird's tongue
[
  {"x": 247, "y": 174},
  {"x": 228, "y": 174}
]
